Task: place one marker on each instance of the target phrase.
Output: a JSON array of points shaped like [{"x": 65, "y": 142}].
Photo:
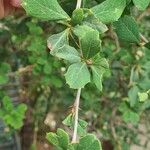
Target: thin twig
[{"x": 77, "y": 102}]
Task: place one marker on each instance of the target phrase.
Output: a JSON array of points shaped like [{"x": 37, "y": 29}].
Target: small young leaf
[
  {"x": 57, "y": 41},
  {"x": 89, "y": 142},
  {"x": 141, "y": 4},
  {"x": 68, "y": 120},
  {"x": 68, "y": 53},
  {"x": 77, "y": 75},
  {"x": 45, "y": 9},
  {"x": 90, "y": 44},
  {"x": 77, "y": 16},
  {"x": 143, "y": 96},
  {"x": 109, "y": 10},
  {"x": 83, "y": 123},
  {"x": 127, "y": 29}
]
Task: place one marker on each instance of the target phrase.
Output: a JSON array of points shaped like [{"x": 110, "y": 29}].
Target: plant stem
[
  {"x": 77, "y": 102},
  {"x": 79, "y": 2}
]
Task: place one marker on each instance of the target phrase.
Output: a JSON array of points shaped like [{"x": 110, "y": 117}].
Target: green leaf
[
  {"x": 3, "y": 79},
  {"x": 21, "y": 109},
  {"x": 97, "y": 77},
  {"x": 80, "y": 30},
  {"x": 68, "y": 53},
  {"x": 89, "y": 142},
  {"x": 133, "y": 95},
  {"x": 90, "y": 44},
  {"x": 63, "y": 138},
  {"x": 7, "y": 104},
  {"x": 77, "y": 75},
  {"x": 131, "y": 117},
  {"x": 99, "y": 67},
  {"x": 45, "y": 9},
  {"x": 82, "y": 127},
  {"x": 68, "y": 120},
  {"x": 60, "y": 139},
  {"x": 14, "y": 119},
  {"x": 57, "y": 41},
  {"x": 143, "y": 96},
  {"x": 77, "y": 16},
  {"x": 123, "y": 107},
  {"x": 109, "y": 10},
  {"x": 95, "y": 23},
  {"x": 127, "y": 29},
  {"x": 141, "y": 4},
  {"x": 52, "y": 138}
]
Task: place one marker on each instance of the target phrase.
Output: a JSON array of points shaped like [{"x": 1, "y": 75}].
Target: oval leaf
[
  {"x": 127, "y": 29},
  {"x": 77, "y": 75}
]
